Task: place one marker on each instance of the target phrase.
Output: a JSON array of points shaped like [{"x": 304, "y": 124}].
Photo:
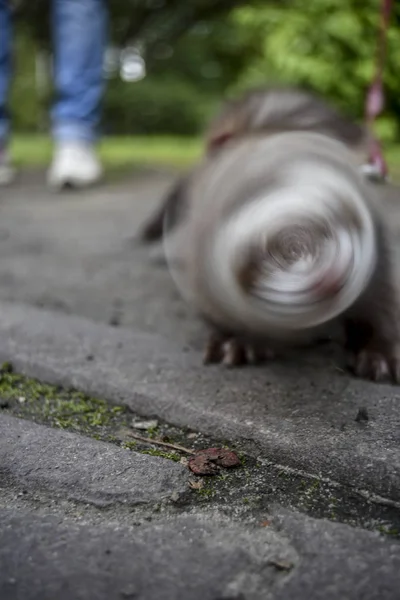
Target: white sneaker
[
  {"x": 75, "y": 164},
  {"x": 7, "y": 171}
]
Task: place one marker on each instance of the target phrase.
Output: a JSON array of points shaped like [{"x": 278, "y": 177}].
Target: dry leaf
[
  {"x": 201, "y": 465},
  {"x": 208, "y": 461},
  {"x": 265, "y": 523},
  {"x": 221, "y": 456}
]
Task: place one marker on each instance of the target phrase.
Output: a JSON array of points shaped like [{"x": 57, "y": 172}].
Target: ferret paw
[
  {"x": 231, "y": 352},
  {"x": 377, "y": 365}
]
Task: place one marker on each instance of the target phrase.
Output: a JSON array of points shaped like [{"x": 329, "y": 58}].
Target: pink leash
[{"x": 375, "y": 100}]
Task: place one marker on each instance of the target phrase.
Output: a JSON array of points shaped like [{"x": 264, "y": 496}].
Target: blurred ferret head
[{"x": 279, "y": 235}]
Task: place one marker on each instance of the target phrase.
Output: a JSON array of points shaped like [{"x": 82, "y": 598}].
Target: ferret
[
  {"x": 282, "y": 238},
  {"x": 261, "y": 112}
]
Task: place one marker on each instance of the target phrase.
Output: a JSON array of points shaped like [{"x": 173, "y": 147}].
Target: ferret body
[
  {"x": 252, "y": 147},
  {"x": 261, "y": 112},
  {"x": 267, "y": 111},
  {"x": 282, "y": 237}
]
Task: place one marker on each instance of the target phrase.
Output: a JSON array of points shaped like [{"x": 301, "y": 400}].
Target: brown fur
[
  {"x": 262, "y": 111},
  {"x": 371, "y": 326}
]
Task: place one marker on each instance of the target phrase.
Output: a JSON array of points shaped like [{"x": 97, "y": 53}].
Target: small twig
[{"x": 141, "y": 438}]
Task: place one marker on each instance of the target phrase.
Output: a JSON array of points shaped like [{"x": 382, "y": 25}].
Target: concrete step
[
  {"x": 194, "y": 557},
  {"x": 79, "y": 468},
  {"x": 293, "y": 412}
]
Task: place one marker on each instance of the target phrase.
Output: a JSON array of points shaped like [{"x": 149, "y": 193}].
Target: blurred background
[{"x": 170, "y": 62}]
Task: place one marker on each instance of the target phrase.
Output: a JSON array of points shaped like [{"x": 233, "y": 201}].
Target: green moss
[
  {"x": 207, "y": 491},
  {"x": 309, "y": 488},
  {"x": 113, "y": 440},
  {"x": 389, "y": 530},
  {"x": 316, "y": 484},
  {"x": 65, "y": 409},
  {"x": 72, "y": 410},
  {"x": 152, "y": 432},
  {"x": 129, "y": 445},
  {"x": 169, "y": 455},
  {"x": 242, "y": 457}
]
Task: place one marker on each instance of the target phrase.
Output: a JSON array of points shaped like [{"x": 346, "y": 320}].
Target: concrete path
[{"x": 315, "y": 511}]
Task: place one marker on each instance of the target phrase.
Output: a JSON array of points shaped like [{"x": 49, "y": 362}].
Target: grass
[
  {"x": 123, "y": 152},
  {"x": 116, "y": 152}
]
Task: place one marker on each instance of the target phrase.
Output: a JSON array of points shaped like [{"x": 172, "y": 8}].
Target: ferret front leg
[
  {"x": 232, "y": 351},
  {"x": 226, "y": 350},
  {"x": 378, "y": 362},
  {"x": 373, "y": 338},
  {"x": 372, "y": 325},
  {"x": 379, "y": 358}
]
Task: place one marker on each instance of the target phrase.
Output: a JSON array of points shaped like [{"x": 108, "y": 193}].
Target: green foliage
[
  {"x": 328, "y": 46},
  {"x": 185, "y": 81},
  {"x": 192, "y": 54},
  {"x": 147, "y": 22},
  {"x": 210, "y": 56},
  {"x": 198, "y": 51},
  {"x": 26, "y": 109},
  {"x": 155, "y": 105}
]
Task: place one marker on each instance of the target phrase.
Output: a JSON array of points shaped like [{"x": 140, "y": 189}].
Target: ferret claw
[
  {"x": 231, "y": 352},
  {"x": 377, "y": 366}
]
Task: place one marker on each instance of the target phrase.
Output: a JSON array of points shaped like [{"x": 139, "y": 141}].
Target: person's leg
[
  {"x": 79, "y": 37},
  {"x": 6, "y": 170}
]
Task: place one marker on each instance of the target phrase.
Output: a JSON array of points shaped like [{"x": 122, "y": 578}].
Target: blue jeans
[{"x": 79, "y": 39}]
